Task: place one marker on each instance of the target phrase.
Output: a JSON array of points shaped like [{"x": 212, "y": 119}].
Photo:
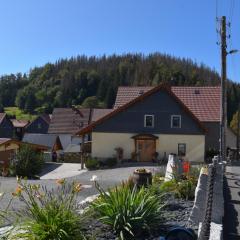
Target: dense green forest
[{"x": 93, "y": 81}]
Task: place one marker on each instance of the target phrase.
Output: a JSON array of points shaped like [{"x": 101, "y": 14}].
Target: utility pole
[
  {"x": 238, "y": 131},
  {"x": 223, "y": 124}
]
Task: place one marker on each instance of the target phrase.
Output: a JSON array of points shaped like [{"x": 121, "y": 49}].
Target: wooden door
[{"x": 146, "y": 149}]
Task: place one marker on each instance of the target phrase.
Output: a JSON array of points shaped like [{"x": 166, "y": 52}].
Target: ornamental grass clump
[
  {"x": 49, "y": 214},
  {"x": 129, "y": 211}
]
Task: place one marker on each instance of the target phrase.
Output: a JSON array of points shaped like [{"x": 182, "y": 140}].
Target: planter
[{"x": 142, "y": 177}]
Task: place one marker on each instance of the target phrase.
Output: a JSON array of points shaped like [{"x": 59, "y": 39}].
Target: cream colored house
[{"x": 156, "y": 122}]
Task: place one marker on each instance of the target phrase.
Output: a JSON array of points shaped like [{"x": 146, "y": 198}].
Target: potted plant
[{"x": 142, "y": 177}]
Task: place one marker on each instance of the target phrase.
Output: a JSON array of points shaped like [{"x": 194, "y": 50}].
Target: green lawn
[{"x": 19, "y": 113}]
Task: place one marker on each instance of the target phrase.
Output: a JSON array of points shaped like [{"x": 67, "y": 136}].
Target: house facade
[
  {"x": 156, "y": 121},
  {"x": 50, "y": 141},
  {"x": 65, "y": 122},
  {"x": 39, "y": 125},
  {"x": 6, "y": 126},
  {"x": 203, "y": 102}
]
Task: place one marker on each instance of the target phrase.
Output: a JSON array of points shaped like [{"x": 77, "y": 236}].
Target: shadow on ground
[
  {"x": 232, "y": 207},
  {"x": 49, "y": 167}
]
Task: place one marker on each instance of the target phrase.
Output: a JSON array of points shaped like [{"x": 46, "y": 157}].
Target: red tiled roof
[
  {"x": 68, "y": 121},
  {"x": 99, "y": 113},
  {"x": 127, "y": 94},
  {"x": 142, "y": 96},
  {"x": 19, "y": 123},
  {"x": 204, "y": 102}
]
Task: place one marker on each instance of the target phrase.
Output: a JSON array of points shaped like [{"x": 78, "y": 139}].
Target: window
[
  {"x": 182, "y": 149},
  {"x": 175, "y": 121},
  {"x": 149, "y": 121},
  {"x": 39, "y": 125}
]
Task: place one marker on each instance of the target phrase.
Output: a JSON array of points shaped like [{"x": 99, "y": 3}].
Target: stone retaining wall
[{"x": 198, "y": 211}]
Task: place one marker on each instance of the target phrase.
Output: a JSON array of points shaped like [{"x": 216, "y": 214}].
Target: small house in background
[
  {"x": 8, "y": 147},
  {"x": 51, "y": 141},
  {"x": 66, "y": 122},
  {"x": 19, "y": 127},
  {"x": 39, "y": 125},
  {"x": 6, "y": 126}
]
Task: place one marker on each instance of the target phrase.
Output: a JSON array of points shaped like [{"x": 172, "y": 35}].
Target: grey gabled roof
[
  {"x": 41, "y": 139},
  {"x": 68, "y": 120}
]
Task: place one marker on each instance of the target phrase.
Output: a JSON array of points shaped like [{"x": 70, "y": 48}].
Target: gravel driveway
[{"x": 106, "y": 178}]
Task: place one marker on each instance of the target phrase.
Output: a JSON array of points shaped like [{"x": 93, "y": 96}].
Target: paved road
[
  {"x": 106, "y": 178},
  {"x": 231, "y": 219}
]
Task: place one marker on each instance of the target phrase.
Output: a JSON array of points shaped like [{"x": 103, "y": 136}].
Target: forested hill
[{"x": 72, "y": 81}]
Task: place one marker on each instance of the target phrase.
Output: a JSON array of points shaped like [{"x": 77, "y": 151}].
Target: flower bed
[
  {"x": 124, "y": 212},
  {"x": 175, "y": 213}
]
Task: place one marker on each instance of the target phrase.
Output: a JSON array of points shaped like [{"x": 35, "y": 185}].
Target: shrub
[
  {"x": 27, "y": 162},
  {"x": 111, "y": 162},
  {"x": 92, "y": 163},
  {"x": 181, "y": 189},
  {"x": 49, "y": 214},
  {"x": 186, "y": 190},
  {"x": 169, "y": 186},
  {"x": 158, "y": 178},
  {"x": 128, "y": 211}
]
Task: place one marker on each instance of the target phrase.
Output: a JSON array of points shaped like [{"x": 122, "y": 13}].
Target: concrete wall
[
  {"x": 103, "y": 145},
  {"x": 231, "y": 138}
]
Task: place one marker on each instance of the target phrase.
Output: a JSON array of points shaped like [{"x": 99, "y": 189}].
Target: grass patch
[{"x": 15, "y": 111}]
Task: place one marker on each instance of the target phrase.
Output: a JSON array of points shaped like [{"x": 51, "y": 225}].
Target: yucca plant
[{"x": 129, "y": 211}]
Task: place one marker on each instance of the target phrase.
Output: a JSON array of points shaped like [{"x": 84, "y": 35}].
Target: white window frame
[
  {"x": 185, "y": 148},
  {"x": 180, "y": 118},
  {"x": 145, "y": 118}
]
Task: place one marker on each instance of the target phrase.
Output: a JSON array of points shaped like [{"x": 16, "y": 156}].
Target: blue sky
[{"x": 33, "y": 32}]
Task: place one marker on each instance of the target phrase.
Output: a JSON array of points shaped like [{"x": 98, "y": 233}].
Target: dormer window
[
  {"x": 176, "y": 121},
  {"x": 149, "y": 121}
]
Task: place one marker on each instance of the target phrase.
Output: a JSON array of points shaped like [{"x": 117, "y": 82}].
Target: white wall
[
  {"x": 195, "y": 145},
  {"x": 103, "y": 145}
]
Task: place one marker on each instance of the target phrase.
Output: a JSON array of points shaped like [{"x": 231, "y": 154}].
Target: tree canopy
[{"x": 93, "y": 81}]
